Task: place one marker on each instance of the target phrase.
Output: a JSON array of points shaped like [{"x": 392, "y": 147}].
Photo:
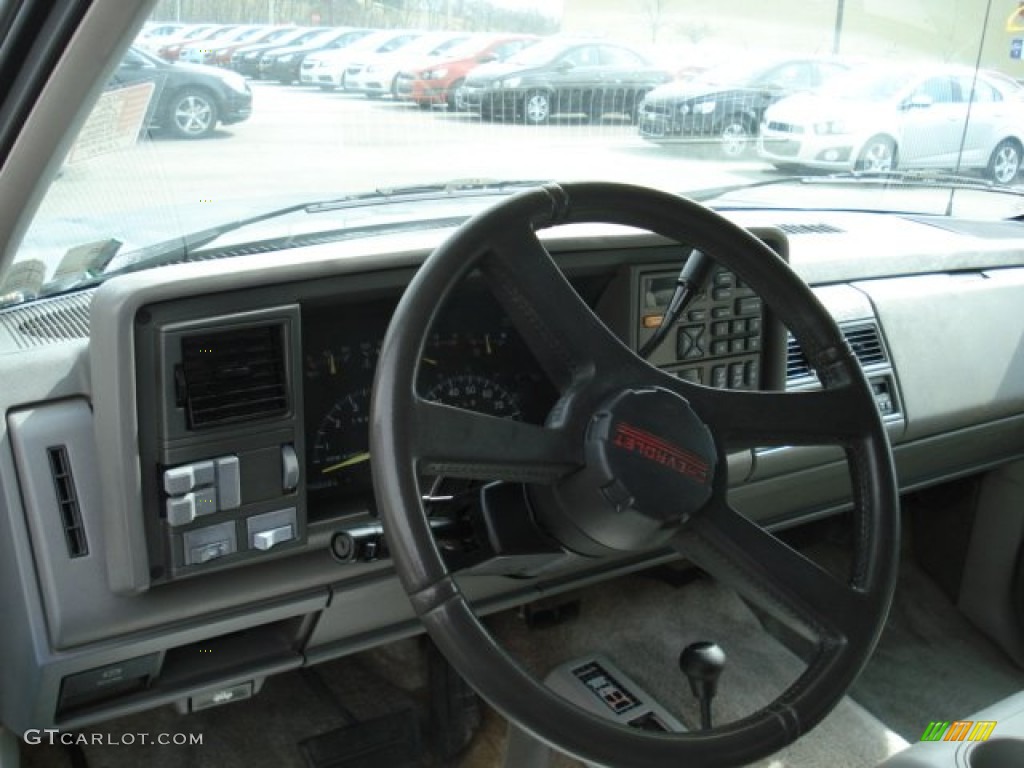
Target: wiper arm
[{"x": 454, "y": 188}]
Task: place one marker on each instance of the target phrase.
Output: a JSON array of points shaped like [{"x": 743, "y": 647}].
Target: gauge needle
[{"x": 358, "y": 458}]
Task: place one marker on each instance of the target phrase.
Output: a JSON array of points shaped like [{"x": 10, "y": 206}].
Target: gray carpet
[
  {"x": 654, "y": 622},
  {"x": 932, "y": 663}
]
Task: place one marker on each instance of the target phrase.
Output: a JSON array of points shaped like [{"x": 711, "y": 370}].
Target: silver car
[{"x": 884, "y": 117}]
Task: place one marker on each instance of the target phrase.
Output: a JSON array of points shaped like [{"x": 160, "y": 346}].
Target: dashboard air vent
[
  {"x": 231, "y": 376},
  {"x": 863, "y": 339},
  {"x": 866, "y": 344},
  {"x": 67, "y": 501},
  {"x": 810, "y": 229}
]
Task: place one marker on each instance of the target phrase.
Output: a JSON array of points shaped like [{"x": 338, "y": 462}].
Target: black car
[
  {"x": 563, "y": 76},
  {"x": 727, "y": 103},
  {"x": 284, "y": 64},
  {"x": 190, "y": 99},
  {"x": 246, "y": 60}
]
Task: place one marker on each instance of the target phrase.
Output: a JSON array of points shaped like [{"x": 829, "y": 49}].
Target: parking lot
[
  {"x": 304, "y": 145},
  {"x": 335, "y": 141}
]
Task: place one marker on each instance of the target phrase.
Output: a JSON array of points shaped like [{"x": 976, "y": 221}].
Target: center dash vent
[
  {"x": 231, "y": 376},
  {"x": 865, "y": 341}
]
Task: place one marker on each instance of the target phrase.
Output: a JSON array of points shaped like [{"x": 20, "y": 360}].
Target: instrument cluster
[{"x": 474, "y": 359}]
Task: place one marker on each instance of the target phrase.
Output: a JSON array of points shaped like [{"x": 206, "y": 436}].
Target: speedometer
[
  {"x": 340, "y": 449},
  {"x": 474, "y": 392}
]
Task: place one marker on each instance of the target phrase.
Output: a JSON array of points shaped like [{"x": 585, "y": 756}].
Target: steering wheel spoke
[
  {"x": 564, "y": 334},
  {"x": 742, "y": 419},
  {"x": 458, "y": 443},
  {"x": 759, "y": 565}
]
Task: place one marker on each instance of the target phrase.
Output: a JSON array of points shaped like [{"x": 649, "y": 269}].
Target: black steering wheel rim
[{"x": 406, "y": 436}]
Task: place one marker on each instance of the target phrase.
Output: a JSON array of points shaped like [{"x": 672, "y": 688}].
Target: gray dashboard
[{"x": 110, "y": 614}]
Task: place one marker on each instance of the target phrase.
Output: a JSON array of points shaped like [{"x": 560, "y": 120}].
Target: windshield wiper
[
  {"x": 454, "y": 188},
  {"x": 909, "y": 179},
  {"x": 178, "y": 249}
]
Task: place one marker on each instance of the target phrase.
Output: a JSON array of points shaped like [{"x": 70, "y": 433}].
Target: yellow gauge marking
[
  {"x": 359, "y": 458},
  {"x": 330, "y": 363},
  {"x": 487, "y": 343},
  {"x": 429, "y": 360}
]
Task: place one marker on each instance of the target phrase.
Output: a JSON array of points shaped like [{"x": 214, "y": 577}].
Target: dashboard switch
[
  {"x": 229, "y": 483},
  {"x": 267, "y": 539},
  {"x": 289, "y": 468},
  {"x": 180, "y": 480},
  {"x": 208, "y": 552},
  {"x": 181, "y": 510},
  {"x": 272, "y": 528},
  {"x": 203, "y": 545}
]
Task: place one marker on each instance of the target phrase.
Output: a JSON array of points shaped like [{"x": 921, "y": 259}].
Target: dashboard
[{"x": 183, "y": 447}]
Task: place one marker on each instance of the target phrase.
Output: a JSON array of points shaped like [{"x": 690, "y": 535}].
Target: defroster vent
[{"x": 232, "y": 376}]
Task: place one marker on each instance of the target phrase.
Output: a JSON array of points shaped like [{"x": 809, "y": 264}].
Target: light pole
[{"x": 839, "y": 26}]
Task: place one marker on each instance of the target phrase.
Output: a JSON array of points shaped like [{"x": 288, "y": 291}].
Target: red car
[
  {"x": 439, "y": 81},
  {"x": 170, "y": 50}
]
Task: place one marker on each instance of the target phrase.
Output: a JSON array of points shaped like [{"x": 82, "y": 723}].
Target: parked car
[
  {"x": 219, "y": 54},
  {"x": 561, "y": 75},
  {"x": 377, "y": 74},
  {"x": 246, "y": 60},
  {"x": 285, "y": 64},
  {"x": 171, "y": 50},
  {"x": 190, "y": 99},
  {"x": 726, "y": 103},
  {"x": 155, "y": 33},
  {"x": 440, "y": 82},
  {"x": 330, "y": 69},
  {"x": 887, "y": 117}
]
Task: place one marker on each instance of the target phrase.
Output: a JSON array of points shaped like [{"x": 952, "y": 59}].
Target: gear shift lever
[{"x": 702, "y": 663}]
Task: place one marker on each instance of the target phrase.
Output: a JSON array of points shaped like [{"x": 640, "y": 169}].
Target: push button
[
  {"x": 180, "y": 480},
  {"x": 181, "y": 510}
]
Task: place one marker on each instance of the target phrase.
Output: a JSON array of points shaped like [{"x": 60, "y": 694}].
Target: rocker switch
[{"x": 270, "y": 538}]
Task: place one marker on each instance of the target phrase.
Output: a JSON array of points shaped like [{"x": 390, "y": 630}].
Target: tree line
[{"x": 469, "y": 15}]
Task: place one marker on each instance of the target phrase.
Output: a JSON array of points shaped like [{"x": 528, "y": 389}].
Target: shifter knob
[{"x": 702, "y": 663}]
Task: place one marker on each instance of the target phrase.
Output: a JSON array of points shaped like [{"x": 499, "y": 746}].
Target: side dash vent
[
  {"x": 67, "y": 501},
  {"x": 232, "y": 376},
  {"x": 864, "y": 339}
]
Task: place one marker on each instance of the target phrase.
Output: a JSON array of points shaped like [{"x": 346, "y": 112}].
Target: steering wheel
[{"x": 632, "y": 458}]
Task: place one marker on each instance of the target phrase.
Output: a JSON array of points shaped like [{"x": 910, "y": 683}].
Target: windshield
[{"x": 173, "y": 148}]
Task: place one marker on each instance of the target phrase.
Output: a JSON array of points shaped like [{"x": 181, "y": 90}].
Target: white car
[
  {"x": 377, "y": 74},
  {"x": 330, "y": 69},
  {"x": 884, "y": 117}
]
